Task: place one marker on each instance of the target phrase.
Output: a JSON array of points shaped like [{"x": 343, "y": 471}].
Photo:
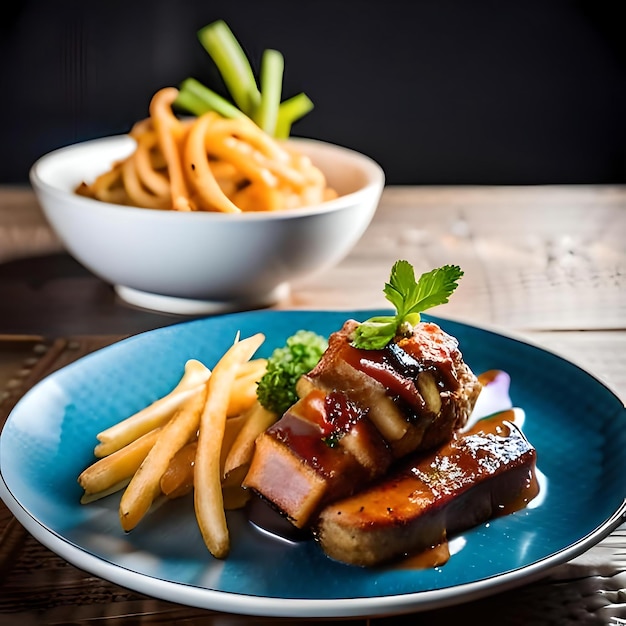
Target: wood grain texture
[
  {"x": 546, "y": 264},
  {"x": 536, "y": 258}
]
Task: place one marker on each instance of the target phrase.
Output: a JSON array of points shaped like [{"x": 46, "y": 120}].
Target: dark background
[{"x": 439, "y": 92}]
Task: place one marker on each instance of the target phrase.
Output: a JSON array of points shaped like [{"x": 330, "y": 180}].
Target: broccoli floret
[{"x": 276, "y": 390}]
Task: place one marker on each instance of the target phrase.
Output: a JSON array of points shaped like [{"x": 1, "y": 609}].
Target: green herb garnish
[
  {"x": 410, "y": 298},
  {"x": 277, "y": 388},
  {"x": 258, "y": 100}
]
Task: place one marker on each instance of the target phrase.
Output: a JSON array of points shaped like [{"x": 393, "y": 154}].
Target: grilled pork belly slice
[
  {"x": 486, "y": 472},
  {"x": 359, "y": 411}
]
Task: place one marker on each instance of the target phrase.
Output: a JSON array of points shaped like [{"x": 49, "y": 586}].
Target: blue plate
[{"x": 576, "y": 423}]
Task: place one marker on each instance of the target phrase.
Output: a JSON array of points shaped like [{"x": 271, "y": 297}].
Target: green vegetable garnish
[
  {"x": 300, "y": 354},
  {"x": 262, "y": 104},
  {"x": 272, "y": 65},
  {"x": 290, "y": 111},
  {"x": 410, "y": 298},
  {"x": 231, "y": 61},
  {"x": 198, "y": 99}
]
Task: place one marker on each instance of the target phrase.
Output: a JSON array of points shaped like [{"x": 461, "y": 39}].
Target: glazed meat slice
[
  {"x": 486, "y": 472},
  {"x": 360, "y": 410},
  {"x": 322, "y": 449},
  {"x": 418, "y": 389}
]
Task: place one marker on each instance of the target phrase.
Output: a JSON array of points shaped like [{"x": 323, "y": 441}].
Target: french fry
[
  {"x": 243, "y": 394},
  {"x": 254, "y": 367},
  {"x": 145, "y": 485},
  {"x": 208, "y": 499},
  {"x": 258, "y": 420},
  {"x": 235, "y": 497},
  {"x": 231, "y": 430},
  {"x": 117, "y": 468},
  {"x": 117, "y": 436},
  {"x": 184, "y": 438},
  {"x": 88, "y": 498},
  {"x": 177, "y": 480},
  {"x": 235, "y": 478}
]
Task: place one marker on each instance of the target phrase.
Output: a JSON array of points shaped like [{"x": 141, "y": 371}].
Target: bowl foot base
[{"x": 191, "y": 306}]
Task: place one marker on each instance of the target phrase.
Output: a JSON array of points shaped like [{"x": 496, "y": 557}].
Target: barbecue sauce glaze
[{"x": 333, "y": 414}]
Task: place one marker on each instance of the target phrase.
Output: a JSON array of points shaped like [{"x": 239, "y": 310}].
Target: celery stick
[
  {"x": 194, "y": 94},
  {"x": 272, "y": 66},
  {"x": 190, "y": 103},
  {"x": 232, "y": 62},
  {"x": 290, "y": 111}
]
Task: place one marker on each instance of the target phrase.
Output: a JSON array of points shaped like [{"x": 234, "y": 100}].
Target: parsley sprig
[{"x": 410, "y": 298}]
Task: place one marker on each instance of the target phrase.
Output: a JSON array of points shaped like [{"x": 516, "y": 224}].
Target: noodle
[
  {"x": 208, "y": 163},
  {"x": 197, "y": 165}
]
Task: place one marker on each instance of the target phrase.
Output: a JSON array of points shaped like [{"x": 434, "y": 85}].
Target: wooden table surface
[{"x": 545, "y": 263}]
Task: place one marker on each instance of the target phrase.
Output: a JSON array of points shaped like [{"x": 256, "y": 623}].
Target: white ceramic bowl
[{"x": 200, "y": 262}]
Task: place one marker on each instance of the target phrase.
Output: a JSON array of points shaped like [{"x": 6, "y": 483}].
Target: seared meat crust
[
  {"x": 476, "y": 476},
  {"x": 360, "y": 411}
]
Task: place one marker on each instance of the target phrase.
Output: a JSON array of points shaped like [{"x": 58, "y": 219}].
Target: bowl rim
[{"x": 373, "y": 170}]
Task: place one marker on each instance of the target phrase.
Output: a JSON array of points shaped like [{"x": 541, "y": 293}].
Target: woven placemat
[{"x": 39, "y": 587}]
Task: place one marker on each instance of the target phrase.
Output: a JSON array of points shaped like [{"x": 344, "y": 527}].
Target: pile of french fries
[{"x": 200, "y": 437}]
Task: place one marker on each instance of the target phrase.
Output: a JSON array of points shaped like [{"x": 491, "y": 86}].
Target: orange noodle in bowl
[{"x": 208, "y": 163}]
